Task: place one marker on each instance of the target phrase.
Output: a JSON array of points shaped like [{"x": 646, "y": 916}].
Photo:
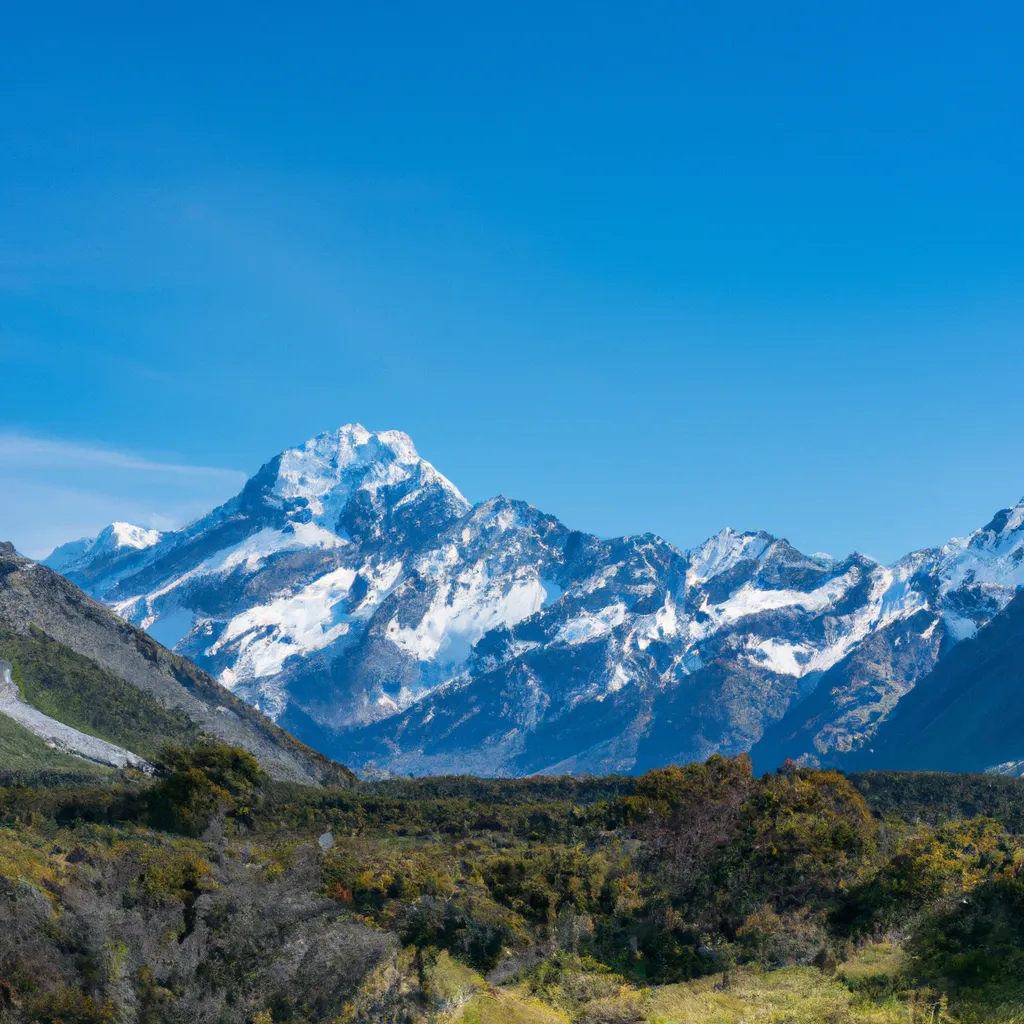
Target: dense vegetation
[
  {"x": 933, "y": 798},
  {"x": 690, "y": 894}
]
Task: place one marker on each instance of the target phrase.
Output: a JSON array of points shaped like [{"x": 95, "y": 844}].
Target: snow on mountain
[
  {"x": 720, "y": 553},
  {"x": 936, "y": 598},
  {"x": 978, "y": 576},
  {"x": 67, "y": 555},
  {"x": 112, "y": 541},
  {"x": 334, "y": 469},
  {"x": 966, "y": 715},
  {"x": 351, "y": 592}
]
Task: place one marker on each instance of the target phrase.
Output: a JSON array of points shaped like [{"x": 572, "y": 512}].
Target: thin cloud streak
[
  {"x": 25, "y": 449},
  {"x": 39, "y": 515}
]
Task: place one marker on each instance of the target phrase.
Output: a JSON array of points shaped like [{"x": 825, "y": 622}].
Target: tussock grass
[
  {"x": 877, "y": 960},
  {"x": 503, "y": 1006},
  {"x": 791, "y": 995}
]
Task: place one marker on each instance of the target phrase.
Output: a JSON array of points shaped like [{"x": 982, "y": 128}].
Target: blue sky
[{"x": 651, "y": 267}]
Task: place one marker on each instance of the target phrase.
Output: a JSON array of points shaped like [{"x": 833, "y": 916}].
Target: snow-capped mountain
[
  {"x": 351, "y": 592},
  {"x": 941, "y": 597},
  {"x": 94, "y": 552}
]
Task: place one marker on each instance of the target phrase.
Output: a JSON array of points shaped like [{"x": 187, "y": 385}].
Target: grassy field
[
  {"x": 502, "y": 1006},
  {"x": 791, "y": 995},
  {"x": 794, "y": 995}
]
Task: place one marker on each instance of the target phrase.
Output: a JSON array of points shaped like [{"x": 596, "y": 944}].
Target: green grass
[
  {"x": 506, "y": 1006},
  {"x": 875, "y": 961},
  {"x": 794, "y": 995},
  {"x": 790, "y": 995},
  {"x": 26, "y": 757},
  {"x": 78, "y": 692},
  {"x": 449, "y": 983}
]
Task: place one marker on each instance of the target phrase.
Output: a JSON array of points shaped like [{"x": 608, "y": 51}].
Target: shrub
[
  {"x": 930, "y": 868},
  {"x": 195, "y": 785},
  {"x": 974, "y": 947}
]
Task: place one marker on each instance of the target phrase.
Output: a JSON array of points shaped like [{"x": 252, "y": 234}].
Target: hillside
[
  {"x": 76, "y": 662},
  {"x": 24, "y": 755}
]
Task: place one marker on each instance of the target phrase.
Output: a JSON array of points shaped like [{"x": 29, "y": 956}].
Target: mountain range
[{"x": 353, "y": 595}]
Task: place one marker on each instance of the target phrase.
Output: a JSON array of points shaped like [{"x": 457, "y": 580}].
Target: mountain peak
[
  {"x": 328, "y": 468},
  {"x": 1005, "y": 521},
  {"x": 128, "y": 535},
  {"x": 117, "y": 538},
  {"x": 349, "y": 582},
  {"x": 722, "y": 551}
]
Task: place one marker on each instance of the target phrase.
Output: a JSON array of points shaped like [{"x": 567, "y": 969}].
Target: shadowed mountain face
[
  {"x": 352, "y": 594},
  {"x": 966, "y": 715}
]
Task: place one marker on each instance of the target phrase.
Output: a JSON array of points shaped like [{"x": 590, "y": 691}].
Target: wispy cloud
[
  {"x": 53, "y": 490},
  {"x": 25, "y": 449}
]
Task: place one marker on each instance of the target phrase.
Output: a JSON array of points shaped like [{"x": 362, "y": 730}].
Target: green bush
[
  {"x": 196, "y": 784},
  {"x": 974, "y": 947},
  {"x": 926, "y": 869}
]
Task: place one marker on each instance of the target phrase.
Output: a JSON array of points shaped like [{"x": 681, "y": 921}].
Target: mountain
[
  {"x": 116, "y": 539},
  {"x": 951, "y": 593},
  {"x": 85, "y": 681},
  {"x": 966, "y": 715},
  {"x": 352, "y": 594}
]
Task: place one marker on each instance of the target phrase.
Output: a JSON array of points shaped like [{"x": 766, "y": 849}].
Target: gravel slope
[{"x": 62, "y": 736}]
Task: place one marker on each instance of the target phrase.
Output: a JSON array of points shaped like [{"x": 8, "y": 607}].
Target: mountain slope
[
  {"x": 967, "y": 715},
  {"x": 88, "y": 668},
  {"x": 26, "y": 756},
  {"x": 57, "y": 734},
  {"x": 948, "y": 594},
  {"x": 352, "y": 594},
  {"x": 61, "y": 684}
]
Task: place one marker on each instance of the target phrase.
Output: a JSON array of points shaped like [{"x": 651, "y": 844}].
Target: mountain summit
[
  {"x": 362, "y": 485},
  {"x": 115, "y": 539},
  {"x": 351, "y": 593}
]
